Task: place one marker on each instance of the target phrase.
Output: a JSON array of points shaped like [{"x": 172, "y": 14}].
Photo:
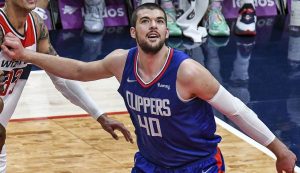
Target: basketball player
[
  {"x": 16, "y": 17},
  {"x": 168, "y": 97}
]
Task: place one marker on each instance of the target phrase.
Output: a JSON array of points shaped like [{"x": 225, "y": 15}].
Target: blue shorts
[{"x": 211, "y": 165}]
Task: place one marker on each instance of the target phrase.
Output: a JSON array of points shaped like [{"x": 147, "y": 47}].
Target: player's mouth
[{"x": 153, "y": 36}]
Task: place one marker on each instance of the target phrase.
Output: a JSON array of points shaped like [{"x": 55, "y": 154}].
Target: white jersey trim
[
  {"x": 11, "y": 27},
  {"x": 163, "y": 67}
]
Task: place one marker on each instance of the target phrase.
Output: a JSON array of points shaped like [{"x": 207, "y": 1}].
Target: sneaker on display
[
  {"x": 215, "y": 23},
  {"x": 169, "y": 8},
  {"x": 246, "y": 21},
  {"x": 41, "y": 12},
  {"x": 93, "y": 19}
]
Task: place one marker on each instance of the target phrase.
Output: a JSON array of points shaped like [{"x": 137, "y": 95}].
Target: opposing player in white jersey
[{"x": 16, "y": 17}]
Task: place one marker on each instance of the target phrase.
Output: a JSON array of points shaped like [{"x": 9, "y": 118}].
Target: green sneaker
[
  {"x": 174, "y": 29},
  {"x": 216, "y": 23}
]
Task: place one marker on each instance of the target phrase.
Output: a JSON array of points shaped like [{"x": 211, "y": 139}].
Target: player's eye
[
  {"x": 144, "y": 21},
  {"x": 160, "y": 21}
]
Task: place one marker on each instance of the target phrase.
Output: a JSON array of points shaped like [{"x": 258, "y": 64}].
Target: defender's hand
[
  {"x": 12, "y": 47},
  {"x": 110, "y": 125}
]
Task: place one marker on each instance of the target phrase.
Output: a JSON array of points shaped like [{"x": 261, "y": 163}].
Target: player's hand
[
  {"x": 12, "y": 47},
  {"x": 110, "y": 125},
  {"x": 286, "y": 163},
  {"x": 2, "y": 136}
]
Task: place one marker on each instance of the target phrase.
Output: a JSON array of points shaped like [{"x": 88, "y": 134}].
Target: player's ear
[
  {"x": 132, "y": 32},
  {"x": 167, "y": 33}
]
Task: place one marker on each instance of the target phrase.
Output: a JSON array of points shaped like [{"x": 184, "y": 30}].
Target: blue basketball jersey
[{"x": 170, "y": 131}]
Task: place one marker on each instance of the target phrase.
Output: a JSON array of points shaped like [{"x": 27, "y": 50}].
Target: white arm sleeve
[
  {"x": 76, "y": 94},
  {"x": 242, "y": 116}
]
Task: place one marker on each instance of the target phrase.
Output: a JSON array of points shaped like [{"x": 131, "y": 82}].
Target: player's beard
[{"x": 150, "y": 48}]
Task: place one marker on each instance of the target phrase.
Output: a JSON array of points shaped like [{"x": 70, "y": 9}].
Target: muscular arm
[
  {"x": 43, "y": 40},
  {"x": 204, "y": 85},
  {"x": 69, "y": 89},
  {"x": 111, "y": 65},
  {"x": 195, "y": 81},
  {"x": 44, "y": 46},
  {"x": 72, "y": 90},
  {"x": 72, "y": 69},
  {"x": 78, "y": 70}
]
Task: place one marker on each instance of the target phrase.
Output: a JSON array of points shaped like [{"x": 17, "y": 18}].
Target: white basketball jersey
[{"x": 16, "y": 72}]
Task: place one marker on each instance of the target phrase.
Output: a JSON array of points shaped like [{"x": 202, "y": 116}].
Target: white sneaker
[
  {"x": 41, "y": 12},
  {"x": 93, "y": 18},
  {"x": 196, "y": 34}
]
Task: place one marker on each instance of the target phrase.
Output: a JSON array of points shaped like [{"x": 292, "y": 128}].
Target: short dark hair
[{"x": 150, "y": 6}]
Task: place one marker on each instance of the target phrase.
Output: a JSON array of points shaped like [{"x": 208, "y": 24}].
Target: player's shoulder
[
  {"x": 116, "y": 58},
  {"x": 189, "y": 66},
  {"x": 37, "y": 18},
  {"x": 119, "y": 53},
  {"x": 38, "y": 21},
  {"x": 189, "y": 69}
]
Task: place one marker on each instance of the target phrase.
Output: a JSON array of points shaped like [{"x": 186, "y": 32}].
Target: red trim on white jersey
[
  {"x": 16, "y": 72},
  {"x": 29, "y": 37},
  {"x": 158, "y": 76}
]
